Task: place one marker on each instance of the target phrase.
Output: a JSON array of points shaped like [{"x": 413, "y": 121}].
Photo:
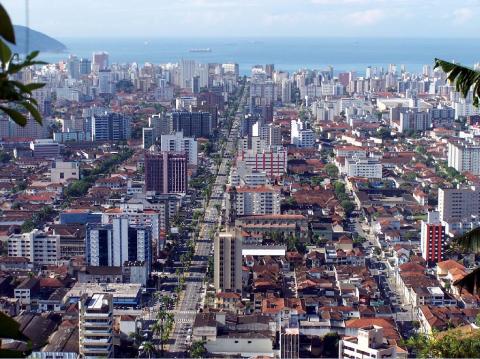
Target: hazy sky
[{"x": 197, "y": 18}]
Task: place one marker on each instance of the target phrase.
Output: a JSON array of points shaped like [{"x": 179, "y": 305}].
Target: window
[{"x": 62, "y": 175}]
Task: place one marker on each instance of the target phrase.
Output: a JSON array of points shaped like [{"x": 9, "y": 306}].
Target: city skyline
[{"x": 205, "y": 18}]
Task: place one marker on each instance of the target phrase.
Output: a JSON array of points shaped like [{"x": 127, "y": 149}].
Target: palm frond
[
  {"x": 469, "y": 241},
  {"x": 464, "y": 78}
]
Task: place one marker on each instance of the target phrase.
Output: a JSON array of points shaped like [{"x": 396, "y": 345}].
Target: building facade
[{"x": 166, "y": 172}]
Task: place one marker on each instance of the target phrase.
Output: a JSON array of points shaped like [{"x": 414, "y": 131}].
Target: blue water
[{"x": 287, "y": 54}]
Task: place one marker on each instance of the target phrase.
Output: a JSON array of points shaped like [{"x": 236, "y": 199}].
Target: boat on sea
[{"x": 207, "y": 49}]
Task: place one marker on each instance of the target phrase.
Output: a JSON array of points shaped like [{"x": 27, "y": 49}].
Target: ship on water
[{"x": 207, "y": 49}]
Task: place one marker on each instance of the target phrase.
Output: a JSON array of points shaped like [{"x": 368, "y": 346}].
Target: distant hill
[{"x": 37, "y": 41}]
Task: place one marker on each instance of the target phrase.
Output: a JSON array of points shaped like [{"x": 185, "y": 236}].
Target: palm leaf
[
  {"x": 464, "y": 78},
  {"x": 469, "y": 241}
]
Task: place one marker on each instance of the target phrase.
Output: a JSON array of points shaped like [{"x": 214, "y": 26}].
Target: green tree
[
  {"x": 197, "y": 349},
  {"x": 464, "y": 78},
  {"x": 148, "y": 348},
  {"x": 15, "y": 97},
  {"x": 348, "y": 206},
  {"x": 331, "y": 170}
]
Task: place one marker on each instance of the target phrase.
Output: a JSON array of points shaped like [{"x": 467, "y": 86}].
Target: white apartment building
[
  {"x": 96, "y": 326},
  {"x": 369, "y": 343},
  {"x": 301, "y": 136},
  {"x": 247, "y": 177},
  {"x": 176, "y": 142},
  {"x": 464, "y": 156},
  {"x": 61, "y": 171},
  {"x": 257, "y": 200},
  {"x": 363, "y": 167},
  {"x": 40, "y": 248}
]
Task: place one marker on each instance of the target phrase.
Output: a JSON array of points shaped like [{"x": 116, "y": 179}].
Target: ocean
[{"x": 288, "y": 54}]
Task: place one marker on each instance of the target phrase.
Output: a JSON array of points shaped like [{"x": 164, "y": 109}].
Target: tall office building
[
  {"x": 196, "y": 84},
  {"x": 110, "y": 127},
  {"x": 187, "y": 71},
  {"x": 85, "y": 66},
  {"x": 100, "y": 61},
  {"x": 176, "y": 142},
  {"x": 73, "y": 67},
  {"x": 464, "y": 156},
  {"x": 161, "y": 125},
  {"x": 166, "y": 172},
  {"x": 105, "y": 82},
  {"x": 193, "y": 124},
  {"x": 432, "y": 240},
  {"x": 228, "y": 262},
  {"x": 95, "y": 329},
  {"x": 148, "y": 137},
  {"x": 269, "y": 69},
  {"x": 117, "y": 243}
]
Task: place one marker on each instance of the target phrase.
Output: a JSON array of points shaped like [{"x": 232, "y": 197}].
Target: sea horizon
[{"x": 287, "y": 53}]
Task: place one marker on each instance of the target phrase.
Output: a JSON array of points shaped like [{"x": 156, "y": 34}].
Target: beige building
[
  {"x": 61, "y": 171},
  {"x": 228, "y": 262},
  {"x": 456, "y": 204}
]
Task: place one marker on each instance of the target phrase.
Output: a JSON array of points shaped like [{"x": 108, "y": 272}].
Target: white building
[
  {"x": 273, "y": 162},
  {"x": 257, "y": 200},
  {"x": 61, "y": 171},
  {"x": 176, "y": 142},
  {"x": 301, "y": 136},
  {"x": 117, "y": 243},
  {"x": 464, "y": 156},
  {"x": 363, "y": 167},
  {"x": 369, "y": 343},
  {"x": 39, "y": 247},
  {"x": 96, "y": 326}
]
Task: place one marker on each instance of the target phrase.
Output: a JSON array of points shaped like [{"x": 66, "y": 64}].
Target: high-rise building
[
  {"x": 456, "y": 204},
  {"x": 187, "y": 71},
  {"x": 148, "y": 137},
  {"x": 273, "y": 162},
  {"x": 111, "y": 127},
  {"x": 301, "y": 136},
  {"x": 290, "y": 343},
  {"x": 119, "y": 242},
  {"x": 269, "y": 69},
  {"x": 193, "y": 124},
  {"x": 95, "y": 333},
  {"x": 196, "y": 84},
  {"x": 85, "y": 66},
  {"x": 228, "y": 262},
  {"x": 161, "y": 125},
  {"x": 100, "y": 61},
  {"x": 432, "y": 240},
  {"x": 254, "y": 200},
  {"x": 368, "y": 167},
  {"x": 176, "y": 142},
  {"x": 73, "y": 67},
  {"x": 39, "y": 247},
  {"x": 105, "y": 82},
  {"x": 464, "y": 156},
  {"x": 166, "y": 172}
]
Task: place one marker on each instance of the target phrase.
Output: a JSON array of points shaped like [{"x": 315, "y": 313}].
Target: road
[{"x": 194, "y": 293}]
